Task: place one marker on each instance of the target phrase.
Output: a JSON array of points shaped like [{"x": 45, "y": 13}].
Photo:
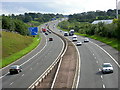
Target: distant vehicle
[
  {"x": 79, "y": 43},
  {"x": 60, "y": 30},
  {"x": 71, "y": 32},
  {"x": 107, "y": 68},
  {"x": 86, "y": 40},
  {"x": 44, "y": 30},
  {"x": 49, "y": 31},
  {"x": 15, "y": 69},
  {"x": 74, "y": 38},
  {"x": 50, "y": 39},
  {"x": 65, "y": 33},
  {"x": 46, "y": 33}
]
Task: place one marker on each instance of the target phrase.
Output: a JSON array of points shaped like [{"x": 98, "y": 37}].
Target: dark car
[
  {"x": 15, "y": 69},
  {"x": 50, "y": 39},
  {"x": 46, "y": 33}
]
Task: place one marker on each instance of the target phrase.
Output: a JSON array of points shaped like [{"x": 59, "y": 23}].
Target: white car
[
  {"x": 107, "y": 68},
  {"x": 79, "y": 43},
  {"x": 86, "y": 40}
]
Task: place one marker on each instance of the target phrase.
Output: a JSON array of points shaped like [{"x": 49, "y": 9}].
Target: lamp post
[{"x": 117, "y": 9}]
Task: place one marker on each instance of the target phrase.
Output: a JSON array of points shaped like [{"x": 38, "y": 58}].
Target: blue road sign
[{"x": 33, "y": 30}]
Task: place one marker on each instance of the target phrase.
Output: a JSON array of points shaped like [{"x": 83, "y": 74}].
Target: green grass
[
  {"x": 109, "y": 41},
  {"x": 14, "y": 46}
]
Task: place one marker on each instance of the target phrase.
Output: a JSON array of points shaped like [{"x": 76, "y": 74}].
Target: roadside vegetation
[{"x": 15, "y": 46}]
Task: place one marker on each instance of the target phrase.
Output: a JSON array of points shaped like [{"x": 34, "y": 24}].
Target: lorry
[{"x": 74, "y": 38}]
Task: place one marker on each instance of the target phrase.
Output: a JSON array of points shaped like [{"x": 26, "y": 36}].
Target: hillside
[{"x": 13, "y": 44}]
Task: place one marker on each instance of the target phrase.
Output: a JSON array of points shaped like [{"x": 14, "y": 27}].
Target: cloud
[{"x": 56, "y": 6}]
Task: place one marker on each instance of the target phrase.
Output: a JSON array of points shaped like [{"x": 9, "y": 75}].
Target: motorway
[
  {"x": 92, "y": 57},
  {"x": 34, "y": 63}
]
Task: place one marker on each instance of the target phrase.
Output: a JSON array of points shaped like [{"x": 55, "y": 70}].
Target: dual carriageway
[{"x": 92, "y": 55}]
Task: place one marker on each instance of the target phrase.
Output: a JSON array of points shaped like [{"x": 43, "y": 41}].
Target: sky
[{"x": 65, "y": 7}]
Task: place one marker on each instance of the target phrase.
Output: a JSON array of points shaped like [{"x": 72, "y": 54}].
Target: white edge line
[
  {"x": 78, "y": 66},
  {"x": 103, "y": 86},
  {"x": 107, "y": 53},
  {"x": 20, "y": 58},
  {"x": 78, "y": 76},
  {"x": 24, "y": 56},
  {"x": 53, "y": 83},
  {"x": 49, "y": 66}
]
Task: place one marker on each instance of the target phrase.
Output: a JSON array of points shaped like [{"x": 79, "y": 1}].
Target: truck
[
  {"x": 74, "y": 38},
  {"x": 71, "y": 32}
]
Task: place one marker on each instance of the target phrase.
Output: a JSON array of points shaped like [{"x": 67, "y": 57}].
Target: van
[{"x": 74, "y": 38}]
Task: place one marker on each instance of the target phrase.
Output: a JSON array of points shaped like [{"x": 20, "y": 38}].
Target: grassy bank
[
  {"x": 14, "y": 46},
  {"x": 109, "y": 41}
]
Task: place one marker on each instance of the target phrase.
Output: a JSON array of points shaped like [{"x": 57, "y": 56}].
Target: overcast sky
[{"x": 55, "y": 6}]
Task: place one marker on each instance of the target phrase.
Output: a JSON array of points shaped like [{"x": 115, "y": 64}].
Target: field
[{"x": 15, "y": 46}]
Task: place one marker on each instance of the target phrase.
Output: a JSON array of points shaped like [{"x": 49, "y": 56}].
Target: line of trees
[
  {"x": 93, "y": 15},
  {"x": 100, "y": 29},
  {"x": 20, "y": 23},
  {"x": 14, "y": 25}
]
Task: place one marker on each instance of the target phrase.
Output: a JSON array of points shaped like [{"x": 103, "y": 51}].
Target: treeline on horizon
[
  {"x": 20, "y": 23},
  {"x": 93, "y": 15}
]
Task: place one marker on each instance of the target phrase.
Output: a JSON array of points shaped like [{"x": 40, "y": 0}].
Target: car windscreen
[{"x": 107, "y": 65}]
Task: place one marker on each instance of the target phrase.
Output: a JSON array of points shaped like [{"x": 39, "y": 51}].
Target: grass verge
[{"x": 15, "y": 56}]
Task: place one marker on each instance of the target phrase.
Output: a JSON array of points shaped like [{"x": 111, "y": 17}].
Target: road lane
[
  {"x": 92, "y": 57},
  {"x": 35, "y": 67}
]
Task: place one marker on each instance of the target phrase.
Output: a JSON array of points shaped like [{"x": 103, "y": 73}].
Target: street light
[{"x": 117, "y": 9}]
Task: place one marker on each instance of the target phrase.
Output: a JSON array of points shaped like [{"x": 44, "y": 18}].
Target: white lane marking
[
  {"x": 107, "y": 53},
  {"x": 99, "y": 69},
  {"x": 30, "y": 68},
  {"x": 95, "y": 57},
  {"x": 51, "y": 64},
  {"x": 11, "y": 83},
  {"x": 103, "y": 86},
  {"x": 96, "y": 61},
  {"x": 28, "y": 59},
  {"x": 93, "y": 54},
  {"x": 23, "y": 75},
  {"x": 101, "y": 76}
]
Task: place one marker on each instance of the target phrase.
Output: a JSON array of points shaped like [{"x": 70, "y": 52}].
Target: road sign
[{"x": 33, "y": 30}]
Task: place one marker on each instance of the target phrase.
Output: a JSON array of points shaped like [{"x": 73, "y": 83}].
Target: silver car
[
  {"x": 86, "y": 40},
  {"x": 15, "y": 69},
  {"x": 79, "y": 43},
  {"x": 107, "y": 68}
]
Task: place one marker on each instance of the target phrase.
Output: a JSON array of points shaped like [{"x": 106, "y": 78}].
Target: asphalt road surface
[
  {"x": 34, "y": 63},
  {"x": 91, "y": 59}
]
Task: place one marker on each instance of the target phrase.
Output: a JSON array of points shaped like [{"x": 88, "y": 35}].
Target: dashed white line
[
  {"x": 93, "y": 54},
  {"x": 103, "y": 86},
  {"x": 107, "y": 53},
  {"x": 95, "y": 57},
  {"x": 99, "y": 69},
  {"x": 96, "y": 61},
  {"x": 23, "y": 75},
  {"x": 11, "y": 83},
  {"x": 101, "y": 76}
]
